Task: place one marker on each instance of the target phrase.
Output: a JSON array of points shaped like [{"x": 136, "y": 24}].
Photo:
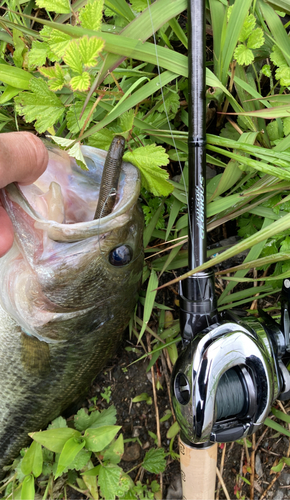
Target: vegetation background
[{"x": 84, "y": 72}]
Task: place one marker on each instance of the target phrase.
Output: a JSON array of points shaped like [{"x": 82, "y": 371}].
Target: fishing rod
[{"x": 231, "y": 368}]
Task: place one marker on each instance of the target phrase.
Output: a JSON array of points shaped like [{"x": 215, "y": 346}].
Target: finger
[
  {"x": 23, "y": 158},
  {"x": 6, "y": 232}
]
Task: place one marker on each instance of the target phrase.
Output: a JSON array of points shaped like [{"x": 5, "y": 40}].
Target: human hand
[{"x": 23, "y": 158}]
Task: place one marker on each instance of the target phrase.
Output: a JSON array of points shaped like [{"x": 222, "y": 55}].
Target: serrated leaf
[
  {"x": 41, "y": 105},
  {"x": 38, "y": 54},
  {"x": 283, "y": 74},
  {"x": 248, "y": 26},
  {"x": 126, "y": 120},
  {"x": 101, "y": 139},
  {"x": 154, "y": 461},
  {"x": 243, "y": 55},
  {"x": 54, "y": 439},
  {"x": 81, "y": 459},
  {"x": 98, "y": 439},
  {"x": 74, "y": 122},
  {"x": 91, "y": 15},
  {"x": 58, "y": 423},
  {"x": 69, "y": 451},
  {"x": 266, "y": 70},
  {"x": 148, "y": 159},
  {"x": 72, "y": 57},
  {"x": 113, "y": 482},
  {"x": 74, "y": 151},
  {"x": 90, "y": 49},
  {"x": 171, "y": 103},
  {"x": 277, "y": 57},
  {"x": 84, "y": 421},
  {"x": 28, "y": 488},
  {"x": 58, "y": 6},
  {"x": 57, "y": 41},
  {"x": 81, "y": 82},
  {"x": 139, "y": 5},
  {"x": 106, "y": 417},
  {"x": 256, "y": 39},
  {"x": 56, "y": 76}
]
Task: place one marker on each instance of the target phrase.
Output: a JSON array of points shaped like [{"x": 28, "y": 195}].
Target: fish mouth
[{"x": 64, "y": 205}]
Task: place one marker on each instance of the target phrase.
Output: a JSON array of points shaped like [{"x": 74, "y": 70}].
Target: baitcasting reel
[{"x": 229, "y": 374}]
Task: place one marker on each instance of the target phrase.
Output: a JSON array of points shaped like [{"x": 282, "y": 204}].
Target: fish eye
[{"x": 120, "y": 256}]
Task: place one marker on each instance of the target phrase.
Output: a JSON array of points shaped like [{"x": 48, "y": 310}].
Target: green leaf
[
  {"x": 38, "y": 54},
  {"x": 81, "y": 460},
  {"x": 154, "y": 461},
  {"x": 101, "y": 139},
  {"x": 69, "y": 451},
  {"x": 243, "y": 55},
  {"x": 148, "y": 159},
  {"x": 57, "y": 40},
  {"x": 58, "y": 6},
  {"x": 277, "y": 57},
  {"x": 139, "y": 5},
  {"x": 8, "y": 94},
  {"x": 41, "y": 105},
  {"x": 90, "y": 49},
  {"x": 57, "y": 423},
  {"x": 256, "y": 39},
  {"x": 54, "y": 439},
  {"x": 91, "y": 15},
  {"x": 171, "y": 103},
  {"x": 142, "y": 397},
  {"x": 286, "y": 126},
  {"x": 149, "y": 300},
  {"x": 15, "y": 77},
  {"x": 81, "y": 82},
  {"x": 28, "y": 488},
  {"x": 266, "y": 70},
  {"x": 113, "y": 482},
  {"x": 72, "y": 57},
  {"x": 74, "y": 122},
  {"x": 173, "y": 430},
  {"x": 248, "y": 26},
  {"x": 32, "y": 460},
  {"x": 115, "y": 451},
  {"x": 19, "y": 48},
  {"x": 126, "y": 120},
  {"x": 74, "y": 151},
  {"x": 56, "y": 76},
  {"x": 97, "y": 439}
]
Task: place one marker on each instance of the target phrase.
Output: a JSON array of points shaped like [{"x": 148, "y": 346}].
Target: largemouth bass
[{"x": 68, "y": 288}]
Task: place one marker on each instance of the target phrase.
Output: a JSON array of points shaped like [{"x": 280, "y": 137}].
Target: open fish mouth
[
  {"x": 60, "y": 249},
  {"x": 68, "y": 288}
]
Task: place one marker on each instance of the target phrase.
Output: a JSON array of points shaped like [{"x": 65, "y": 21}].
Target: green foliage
[
  {"x": 67, "y": 452},
  {"x": 251, "y": 38}
]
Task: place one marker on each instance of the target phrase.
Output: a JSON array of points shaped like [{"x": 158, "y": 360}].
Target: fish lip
[{"x": 83, "y": 230}]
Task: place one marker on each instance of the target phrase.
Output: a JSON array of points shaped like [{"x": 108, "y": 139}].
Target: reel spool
[{"x": 227, "y": 378}]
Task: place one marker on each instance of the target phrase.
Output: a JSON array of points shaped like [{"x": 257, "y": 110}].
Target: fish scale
[{"x": 63, "y": 305}]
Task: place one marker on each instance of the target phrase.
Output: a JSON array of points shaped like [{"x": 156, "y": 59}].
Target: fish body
[{"x": 67, "y": 290}]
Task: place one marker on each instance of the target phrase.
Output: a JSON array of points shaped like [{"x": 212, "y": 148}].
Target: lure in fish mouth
[{"x": 67, "y": 290}]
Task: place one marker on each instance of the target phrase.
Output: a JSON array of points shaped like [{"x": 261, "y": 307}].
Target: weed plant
[{"x": 85, "y": 72}]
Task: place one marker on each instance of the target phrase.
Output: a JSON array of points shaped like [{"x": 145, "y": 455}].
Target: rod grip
[{"x": 198, "y": 471}]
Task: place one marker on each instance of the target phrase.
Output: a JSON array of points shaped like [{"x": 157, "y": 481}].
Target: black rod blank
[{"x": 196, "y": 134}]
